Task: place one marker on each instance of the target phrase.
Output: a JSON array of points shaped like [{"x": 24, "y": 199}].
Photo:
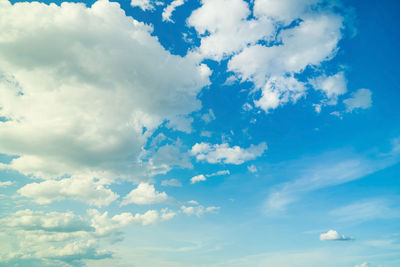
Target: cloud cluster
[
  {"x": 79, "y": 100},
  {"x": 66, "y": 238},
  {"x": 269, "y": 42}
]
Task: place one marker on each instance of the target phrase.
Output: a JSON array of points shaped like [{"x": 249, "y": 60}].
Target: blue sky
[{"x": 199, "y": 133}]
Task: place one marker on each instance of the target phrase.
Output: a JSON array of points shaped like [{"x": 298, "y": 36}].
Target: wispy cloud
[
  {"x": 323, "y": 171},
  {"x": 366, "y": 210}
]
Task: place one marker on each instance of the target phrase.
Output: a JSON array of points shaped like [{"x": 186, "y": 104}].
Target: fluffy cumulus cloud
[
  {"x": 197, "y": 178},
  {"x": 281, "y": 40},
  {"x": 224, "y": 33},
  {"x": 85, "y": 99},
  {"x": 332, "y": 86},
  {"x": 223, "y": 153},
  {"x": 333, "y": 235},
  {"x": 144, "y": 194}
]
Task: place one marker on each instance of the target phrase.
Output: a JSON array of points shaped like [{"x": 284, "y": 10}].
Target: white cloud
[
  {"x": 201, "y": 177},
  {"x": 229, "y": 32},
  {"x": 333, "y": 86},
  {"x": 361, "y": 99},
  {"x": 78, "y": 187},
  {"x": 64, "y": 238},
  {"x": 224, "y": 154},
  {"x": 144, "y": 194},
  {"x": 332, "y": 235},
  {"x": 206, "y": 134},
  {"x": 209, "y": 116},
  {"x": 280, "y": 90},
  {"x": 317, "y": 108},
  {"x": 171, "y": 182},
  {"x": 262, "y": 51},
  {"x": 181, "y": 123},
  {"x": 85, "y": 99},
  {"x": 57, "y": 238},
  {"x": 145, "y": 4},
  {"x": 199, "y": 210},
  {"x": 311, "y": 42},
  {"x": 282, "y": 10},
  {"x": 193, "y": 202},
  {"x": 6, "y": 183},
  {"x": 219, "y": 173},
  {"x": 104, "y": 225},
  {"x": 167, "y": 214},
  {"x": 167, "y": 12},
  {"x": 169, "y": 156},
  {"x": 52, "y": 221},
  {"x": 197, "y": 178},
  {"x": 252, "y": 168}
]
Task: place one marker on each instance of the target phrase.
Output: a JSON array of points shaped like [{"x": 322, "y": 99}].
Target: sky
[{"x": 200, "y": 133}]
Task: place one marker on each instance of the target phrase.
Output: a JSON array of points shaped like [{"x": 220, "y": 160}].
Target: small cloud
[
  {"x": 223, "y": 153},
  {"x": 361, "y": 99},
  {"x": 193, "y": 202},
  {"x": 144, "y": 194},
  {"x": 171, "y": 182},
  {"x": 208, "y": 117},
  {"x": 197, "y": 178},
  {"x": 205, "y": 134},
  {"x": 317, "y": 108},
  {"x": 167, "y": 214},
  {"x": 199, "y": 210},
  {"x": 6, "y": 183},
  {"x": 333, "y": 235},
  {"x": 337, "y": 114},
  {"x": 219, "y": 173},
  {"x": 202, "y": 177},
  {"x": 252, "y": 168},
  {"x": 143, "y": 4},
  {"x": 332, "y": 86},
  {"x": 247, "y": 107},
  {"x": 364, "y": 264},
  {"x": 230, "y": 80}
]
